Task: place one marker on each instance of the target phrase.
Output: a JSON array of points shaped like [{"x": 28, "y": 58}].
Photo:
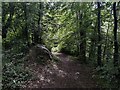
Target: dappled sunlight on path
[{"x": 65, "y": 73}]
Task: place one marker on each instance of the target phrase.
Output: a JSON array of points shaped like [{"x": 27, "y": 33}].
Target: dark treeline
[{"x": 88, "y": 31}]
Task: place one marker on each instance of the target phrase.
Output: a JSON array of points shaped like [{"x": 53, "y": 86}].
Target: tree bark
[
  {"x": 92, "y": 51},
  {"x": 6, "y": 25},
  {"x": 38, "y": 37},
  {"x": 25, "y": 32},
  {"x": 99, "y": 36},
  {"x": 116, "y": 55},
  {"x": 82, "y": 54}
]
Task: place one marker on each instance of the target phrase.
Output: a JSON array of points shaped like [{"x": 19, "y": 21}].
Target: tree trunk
[
  {"x": 25, "y": 32},
  {"x": 77, "y": 33},
  {"x": 93, "y": 45},
  {"x": 99, "y": 36},
  {"x": 82, "y": 54},
  {"x": 6, "y": 25},
  {"x": 106, "y": 44},
  {"x": 38, "y": 35},
  {"x": 115, "y": 36}
]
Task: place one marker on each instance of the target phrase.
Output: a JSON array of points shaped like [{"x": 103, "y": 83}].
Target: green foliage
[
  {"x": 109, "y": 75},
  {"x": 63, "y": 27},
  {"x": 14, "y": 76}
]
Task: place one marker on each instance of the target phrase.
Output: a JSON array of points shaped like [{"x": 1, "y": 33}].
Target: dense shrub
[
  {"x": 14, "y": 76},
  {"x": 109, "y": 75},
  {"x": 13, "y": 72}
]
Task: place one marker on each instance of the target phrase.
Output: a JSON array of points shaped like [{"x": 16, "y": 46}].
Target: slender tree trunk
[
  {"x": 82, "y": 54},
  {"x": 115, "y": 36},
  {"x": 106, "y": 44},
  {"x": 33, "y": 32},
  {"x": 92, "y": 51},
  {"x": 77, "y": 33},
  {"x": 39, "y": 31},
  {"x": 99, "y": 36},
  {"x": 25, "y": 32},
  {"x": 6, "y": 25},
  {"x": 116, "y": 46}
]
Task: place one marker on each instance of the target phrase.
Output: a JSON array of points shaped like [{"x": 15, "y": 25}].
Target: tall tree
[
  {"x": 7, "y": 24},
  {"x": 38, "y": 32},
  {"x": 25, "y": 32},
  {"x": 99, "y": 35},
  {"x": 82, "y": 54},
  {"x": 115, "y": 35}
]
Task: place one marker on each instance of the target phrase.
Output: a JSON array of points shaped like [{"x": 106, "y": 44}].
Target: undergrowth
[
  {"x": 109, "y": 75},
  {"x": 13, "y": 73}
]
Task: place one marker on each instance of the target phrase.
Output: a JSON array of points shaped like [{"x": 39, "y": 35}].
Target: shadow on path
[{"x": 65, "y": 73}]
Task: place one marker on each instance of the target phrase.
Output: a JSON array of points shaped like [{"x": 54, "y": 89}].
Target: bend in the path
[
  {"x": 65, "y": 73},
  {"x": 80, "y": 74}
]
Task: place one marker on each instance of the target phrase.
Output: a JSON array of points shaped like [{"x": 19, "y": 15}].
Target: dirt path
[{"x": 65, "y": 73}]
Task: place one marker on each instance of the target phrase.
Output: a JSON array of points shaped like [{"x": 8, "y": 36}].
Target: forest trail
[{"x": 65, "y": 73}]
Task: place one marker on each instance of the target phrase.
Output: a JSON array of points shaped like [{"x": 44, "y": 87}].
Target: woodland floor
[{"x": 65, "y": 73}]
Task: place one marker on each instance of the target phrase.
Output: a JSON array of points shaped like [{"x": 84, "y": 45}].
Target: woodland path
[{"x": 65, "y": 73}]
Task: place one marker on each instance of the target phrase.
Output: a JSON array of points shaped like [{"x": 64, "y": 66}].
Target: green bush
[
  {"x": 14, "y": 76},
  {"x": 110, "y": 75}
]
